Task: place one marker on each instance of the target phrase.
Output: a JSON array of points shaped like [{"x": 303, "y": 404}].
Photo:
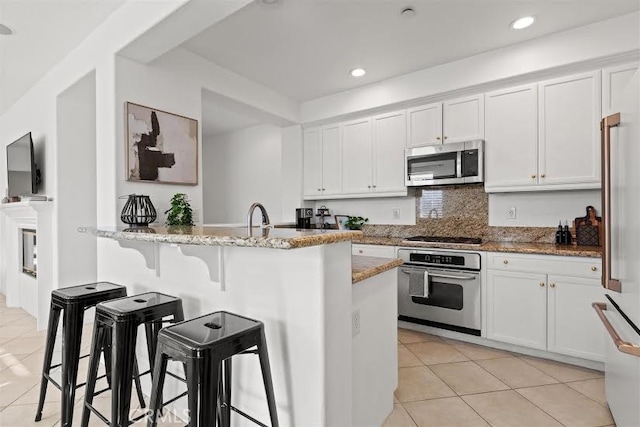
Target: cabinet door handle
[
  {"x": 324, "y": 189},
  {"x": 374, "y": 186},
  {"x": 542, "y": 284},
  {"x": 533, "y": 175},
  {"x": 446, "y": 137},
  {"x": 542, "y": 176},
  {"x": 438, "y": 138},
  {"x": 553, "y": 285},
  {"x": 319, "y": 189},
  {"x": 505, "y": 261},
  {"x": 368, "y": 186},
  {"x": 594, "y": 268}
]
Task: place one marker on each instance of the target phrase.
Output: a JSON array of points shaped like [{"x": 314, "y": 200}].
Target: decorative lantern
[{"x": 138, "y": 211}]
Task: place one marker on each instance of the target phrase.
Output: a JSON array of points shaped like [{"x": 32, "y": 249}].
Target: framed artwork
[
  {"x": 340, "y": 220},
  {"x": 161, "y": 147}
]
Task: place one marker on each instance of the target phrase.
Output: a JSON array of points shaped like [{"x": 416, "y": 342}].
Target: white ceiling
[
  {"x": 45, "y": 31},
  {"x": 219, "y": 118},
  {"x": 304, "y": 49}
]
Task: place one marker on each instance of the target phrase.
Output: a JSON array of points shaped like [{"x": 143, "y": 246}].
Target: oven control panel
[
  {"x": 437, "y": 259},
  {"x": 465, "y": 260}
]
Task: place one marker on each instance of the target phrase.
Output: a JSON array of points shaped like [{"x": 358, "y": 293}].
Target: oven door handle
[{"x": 446, "y": 276}]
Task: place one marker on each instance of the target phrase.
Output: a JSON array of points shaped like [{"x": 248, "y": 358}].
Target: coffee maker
[{"x": 303, "y": 217}]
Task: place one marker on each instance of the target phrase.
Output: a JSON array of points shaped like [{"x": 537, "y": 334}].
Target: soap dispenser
[
  {"x": 559, "y": 233},
  {"x": 566, "y": 234}
]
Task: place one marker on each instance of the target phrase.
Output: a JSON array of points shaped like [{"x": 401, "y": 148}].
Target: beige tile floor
[
  {"x": 447, "y": 383},
  {"x": 442, "y": 383}
]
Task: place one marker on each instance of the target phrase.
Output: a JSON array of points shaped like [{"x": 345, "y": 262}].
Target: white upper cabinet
[
  {"x": 390, "y": 136},
  {"x": 614, "y": 82},
  {"x": 569, "y": 134},
  {"x": 356, "y": 156},
  {"x": 359, "y": 158},
  {"x": 331, "y": 160},
  {"x": 322, "y": 162},
  {"x": 425, "y": 125},
  {"x": 463, "y": 119},
  {"x": 450, "y": 121},
  {"x": 312, "y": 163},
  {"x": 511, "y": 147}
]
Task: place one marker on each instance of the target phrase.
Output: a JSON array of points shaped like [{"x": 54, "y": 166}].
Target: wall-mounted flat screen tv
[{"x": 21, "y": 167}]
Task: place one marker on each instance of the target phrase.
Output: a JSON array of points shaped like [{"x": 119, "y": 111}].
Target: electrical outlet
[
  {"x": 512, "y": 212},
  {"x": 355, "y": 322},
  {"x": 396, "y": 213}
]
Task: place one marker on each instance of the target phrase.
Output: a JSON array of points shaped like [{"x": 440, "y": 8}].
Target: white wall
[
  {"x": 541, "y": 209},
  {"x": 155, "y": 87},
  {"x": 508, "y": 66},
  {"x": 292, "y": 173},
  {"x": 246, "y": 166},
  {"x": 76, "y": 153}
]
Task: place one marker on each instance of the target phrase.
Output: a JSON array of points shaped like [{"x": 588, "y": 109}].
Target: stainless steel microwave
[{"x": 452, "y": 163}]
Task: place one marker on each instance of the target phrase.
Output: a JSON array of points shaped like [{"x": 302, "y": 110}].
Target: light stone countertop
[
  {"x": 507, "y": 247},
  {"x": 274, "y": 238},
  {"x": 364, "y": 267}
]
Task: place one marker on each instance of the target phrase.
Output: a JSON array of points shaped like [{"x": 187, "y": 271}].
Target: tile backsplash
[{"x": 459, "y": 211}]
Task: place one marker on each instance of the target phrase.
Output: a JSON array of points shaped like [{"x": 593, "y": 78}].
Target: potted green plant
[
  {"x": 355, "y": 222},
  {"x": 180, "y": 212}
]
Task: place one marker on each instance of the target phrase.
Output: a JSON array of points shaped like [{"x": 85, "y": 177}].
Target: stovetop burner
[{"x": 447, "y": 240}]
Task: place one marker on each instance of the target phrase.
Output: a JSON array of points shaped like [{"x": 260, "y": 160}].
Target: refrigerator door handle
[
  {"x": 621, "y": 345},
  {"x": 605, "y": 133}
]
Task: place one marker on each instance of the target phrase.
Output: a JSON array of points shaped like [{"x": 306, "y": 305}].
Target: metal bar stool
[
  {"x": 117, "y": 322},
  {"x": 204, "y": 345},
  {"x": 72, "y": 302}
]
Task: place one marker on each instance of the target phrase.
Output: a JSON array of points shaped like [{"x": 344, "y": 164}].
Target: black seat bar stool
[
  {"x": 117, "y": 321},
  {"x": 72, "y": 302},
  {"x": 204, "y": 345}
]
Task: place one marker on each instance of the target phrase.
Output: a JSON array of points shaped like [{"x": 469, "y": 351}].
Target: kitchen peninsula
[{"x": 330, "y": 325}]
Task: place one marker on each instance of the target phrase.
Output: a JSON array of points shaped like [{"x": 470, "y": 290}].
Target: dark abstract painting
[{"x": 161, "y": 147}]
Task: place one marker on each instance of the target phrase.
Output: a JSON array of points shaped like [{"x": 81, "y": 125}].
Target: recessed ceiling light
[
  {"x": 5, "y": 31},
  {"x": 523, "y": 22},
  {"x": 358, "y": 72}
]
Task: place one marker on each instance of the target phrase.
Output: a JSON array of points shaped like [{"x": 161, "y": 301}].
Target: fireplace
[{"x": 29, "y": 252}]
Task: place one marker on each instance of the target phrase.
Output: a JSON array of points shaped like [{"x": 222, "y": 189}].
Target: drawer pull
[
  {"x": 594, "y": 268},
  {"x": 360, "y": 251},
  {"x": 505, "y": 261},
  {"x": 542, "y": 284}
]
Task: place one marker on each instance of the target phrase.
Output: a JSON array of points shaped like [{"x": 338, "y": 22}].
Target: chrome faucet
[{"x": 265, "y": 216}]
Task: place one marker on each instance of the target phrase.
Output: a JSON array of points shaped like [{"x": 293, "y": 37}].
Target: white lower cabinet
[
  {"x": 544, "y": 302},
  {"x": 574, "y": 328},
  {"x": 517, "y": 308},
  {"x": 374, "y": 250}
]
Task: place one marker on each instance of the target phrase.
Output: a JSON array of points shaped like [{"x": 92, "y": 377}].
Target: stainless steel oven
[{"x": 441, "y": 289}]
